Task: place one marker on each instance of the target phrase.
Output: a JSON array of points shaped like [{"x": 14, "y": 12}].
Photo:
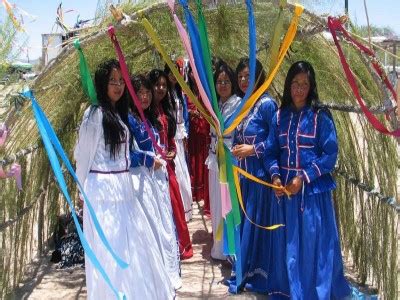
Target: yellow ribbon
[
  {"x": 236, "y": 172},
  {"x": 289, "y": 37},
  {"x": 152, "y": 34}
]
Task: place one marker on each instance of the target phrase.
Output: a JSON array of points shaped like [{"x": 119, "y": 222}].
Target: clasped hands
[{"x": 293, "y": 187}]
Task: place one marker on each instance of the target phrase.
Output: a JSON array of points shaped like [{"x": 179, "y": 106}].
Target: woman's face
[
  {"x": 116, "y": 86},
  {"x": 224, "y": 86},
  {"x": 145, "y": 97},
  {"x": 160, "y": 89},
  {"x": 299, "y": 90},
  {"x": 243, "y": 79}
]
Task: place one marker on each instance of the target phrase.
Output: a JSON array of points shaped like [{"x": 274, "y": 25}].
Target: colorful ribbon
[
  {"x": 252, "y": 62},
  {"x": 13, "y": 172},
  {"x": 53, "y": 147},
  {"x": 289, "y": 37},
  {"x": 152, "y": 34},
  {"x": 334, "y": 25},
  {"x": 86, "y": 79},
  {"x": 186, "y": 43},
  {"x": 10, "y": 12},
  {"x": 3, "y": 134},
  {"x": 135, "y": 99}
]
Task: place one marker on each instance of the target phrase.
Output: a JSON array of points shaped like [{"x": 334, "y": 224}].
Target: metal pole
[{"x": 346, "y": 7}]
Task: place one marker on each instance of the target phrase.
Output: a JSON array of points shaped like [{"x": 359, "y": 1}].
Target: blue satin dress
[
  {"x": 306, "y": 260},
  {"x": 255, "y": 242}
]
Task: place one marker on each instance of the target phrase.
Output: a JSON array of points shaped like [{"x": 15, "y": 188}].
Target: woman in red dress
[
  {"x": 164, "y": 111},
  {"x": 198, "y": 144}
]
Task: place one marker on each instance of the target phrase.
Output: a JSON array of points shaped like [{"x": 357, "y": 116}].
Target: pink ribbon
[
  {"x": 3, "y": 133},
  {"x": 136, "y": 101},
  {"x": 225, "y": 199},
  {"x": 186, "y": 43},
  {"x": 335, "y": 24},
  {"x": 14, "y": 172}
]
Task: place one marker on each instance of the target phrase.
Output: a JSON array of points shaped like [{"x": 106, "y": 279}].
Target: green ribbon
[{"x": 86, "y": 79}]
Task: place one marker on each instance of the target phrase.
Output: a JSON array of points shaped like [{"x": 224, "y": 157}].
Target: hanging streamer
[
  {"x": 289, "y": 37},
  {"x": 334, "y": 24},
  {"x": 53, "y": 146},
  {"x": 13, "y": 172},
  {"x": 185, "y": 40},
  {"x": 10, "y": 12},
  {"x": 252, "y": 62},
  {"x": 135, "y": 99},
  {"x": 206, "y": 55},
  {"x": 152, "y": 34},
  {"x": 86, "y": 79}
]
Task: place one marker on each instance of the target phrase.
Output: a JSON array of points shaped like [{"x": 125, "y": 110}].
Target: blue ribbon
[
  {"x": 252, "y": 63},
  {"x": 52, "y": 144},
  {"x": 196, "y": 48}
]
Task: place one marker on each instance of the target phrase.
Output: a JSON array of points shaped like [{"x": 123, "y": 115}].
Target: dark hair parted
[
  {"x": 139, "y": 81},
  {"x": 297, "y": 68},
  {"x": 244, "y": 62},
  {"x": 232, "y": 77},
  {"x": 114, "y": 133},
  {"x": 177, "y": 87},
  {"x": 167, "y": 104}
]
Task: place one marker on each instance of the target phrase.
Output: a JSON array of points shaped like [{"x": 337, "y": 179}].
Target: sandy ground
[{"x": 202, "y": 277}]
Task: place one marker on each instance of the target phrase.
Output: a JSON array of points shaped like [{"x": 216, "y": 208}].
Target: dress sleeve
[
  {"x": 271, "y": 153},
  {"x": 328, "y": 146},
  {"x": 138, "y": 157},
  {"x": 89, "y": 136},
  {"x": 268, "y": 110}
]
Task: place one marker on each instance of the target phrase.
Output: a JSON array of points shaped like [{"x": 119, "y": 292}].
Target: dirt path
[{"x": 202, "y": 277}]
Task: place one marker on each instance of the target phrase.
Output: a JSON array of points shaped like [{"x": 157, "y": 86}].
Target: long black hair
[
  {"x": 260, "y": 73},
  {"x": 139, "y": 81},
  {"x": 166, "y": 103},
  {"x": 297, "y": 68},
  {"x": 114, "y": 133},
  {"x": 177, "y": 87},
  {"x": 223, "y": 67}
]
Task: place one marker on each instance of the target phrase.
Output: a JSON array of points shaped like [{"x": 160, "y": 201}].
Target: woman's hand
[
  {"x": 243, "y": 150},
  {"x": 157, "y": 164},
  {"x": 277, "y": 181},
  {"x": 170, "y": 155},
  {"x": 295, "y": 185}
]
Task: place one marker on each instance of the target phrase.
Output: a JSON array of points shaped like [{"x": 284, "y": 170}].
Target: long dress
[
  {"x": 168, "y": 144},
  {"x": 198, "y": 145},
  {"x": 227, "y": 108},
  {"x": 152, "y": 185},
  {"x": 108, "y": 185},
  {"x": 255, "y": 243},
  {"x": 306, "y": 257},
  {"x": 181, "y": 167}
]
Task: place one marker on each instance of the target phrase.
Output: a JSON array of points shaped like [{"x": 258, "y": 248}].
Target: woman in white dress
[
  {"x": 150, "y": 180},
  {"x": 225, "y": 85},
  {"x": 102, "y": 162},
  {"x": 181, "y": 135}
]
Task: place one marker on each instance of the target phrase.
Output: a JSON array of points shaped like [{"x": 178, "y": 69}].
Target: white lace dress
[
  {"x": 181, "y": 167},
  {"x": 108, "y": 185}
]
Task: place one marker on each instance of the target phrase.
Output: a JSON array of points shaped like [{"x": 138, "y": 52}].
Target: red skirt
[
  {"x": 198, "y": 145},
  {"x": 185, "y": 245}
]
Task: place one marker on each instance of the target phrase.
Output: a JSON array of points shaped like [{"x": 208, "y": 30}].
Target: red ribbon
[
  {"x": 334, "y": 24},
  {"x": 135, "y": 99},
  {"x": 14, "y": 172}
]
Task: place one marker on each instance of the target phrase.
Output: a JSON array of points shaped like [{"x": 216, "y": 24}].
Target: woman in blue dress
[
  {"x": 302, "y": 148},
  {"x": 249, "y": 148}
]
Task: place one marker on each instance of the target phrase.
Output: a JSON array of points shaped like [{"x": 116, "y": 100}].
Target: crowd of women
[{"x": 142, "y": 185}]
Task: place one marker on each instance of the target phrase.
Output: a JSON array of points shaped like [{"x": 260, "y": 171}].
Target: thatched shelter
[{"x": 366, "y": 174}]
